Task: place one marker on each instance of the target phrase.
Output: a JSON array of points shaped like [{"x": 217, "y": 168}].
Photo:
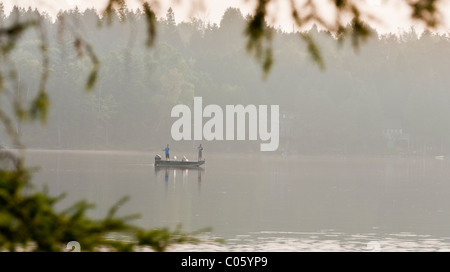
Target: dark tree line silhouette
[{"x": 392, "y": 80}]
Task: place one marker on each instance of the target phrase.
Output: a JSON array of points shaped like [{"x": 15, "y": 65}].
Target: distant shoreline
[
  {"x": 215, "y": 153},
  {"x": 81, "y": 151}
]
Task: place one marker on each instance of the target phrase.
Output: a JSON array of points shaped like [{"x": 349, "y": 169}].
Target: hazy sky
[{"x": 395, "y": 16}]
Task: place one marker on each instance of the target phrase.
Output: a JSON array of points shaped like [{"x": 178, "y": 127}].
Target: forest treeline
[{"x": 392, "y": 95}]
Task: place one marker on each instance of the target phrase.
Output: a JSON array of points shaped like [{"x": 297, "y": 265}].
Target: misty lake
[{"x": 266, "y": 202}]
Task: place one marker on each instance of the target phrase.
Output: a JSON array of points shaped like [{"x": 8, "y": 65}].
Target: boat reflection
[{"x": 170, "y": 174}]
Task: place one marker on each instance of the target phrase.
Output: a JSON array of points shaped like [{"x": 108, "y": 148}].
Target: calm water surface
[{"x": 262, "y": 202}]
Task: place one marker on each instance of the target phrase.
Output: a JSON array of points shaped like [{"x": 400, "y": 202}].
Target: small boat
[{"x": 177, "y": 163}]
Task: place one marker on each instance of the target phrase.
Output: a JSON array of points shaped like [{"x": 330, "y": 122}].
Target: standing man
[
  {"x": 167, "y": 152},
  {"x": 200, "y": 151}
]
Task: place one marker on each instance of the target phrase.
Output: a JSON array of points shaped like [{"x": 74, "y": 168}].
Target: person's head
[
  {"x": 167, "y": 145},
  {"x": 200, "y": 144}
]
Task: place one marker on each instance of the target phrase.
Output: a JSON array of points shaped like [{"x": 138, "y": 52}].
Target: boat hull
[{"x": 180, "y": 164}]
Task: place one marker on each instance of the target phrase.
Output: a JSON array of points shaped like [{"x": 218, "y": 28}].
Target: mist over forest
[{"x": 391, "y": 96}]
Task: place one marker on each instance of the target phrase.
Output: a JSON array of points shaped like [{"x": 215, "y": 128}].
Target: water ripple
[{"x": 268, "y": 241}]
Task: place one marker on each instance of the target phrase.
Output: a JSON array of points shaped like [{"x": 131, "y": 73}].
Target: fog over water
[{"x": 259, "y": 202}]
